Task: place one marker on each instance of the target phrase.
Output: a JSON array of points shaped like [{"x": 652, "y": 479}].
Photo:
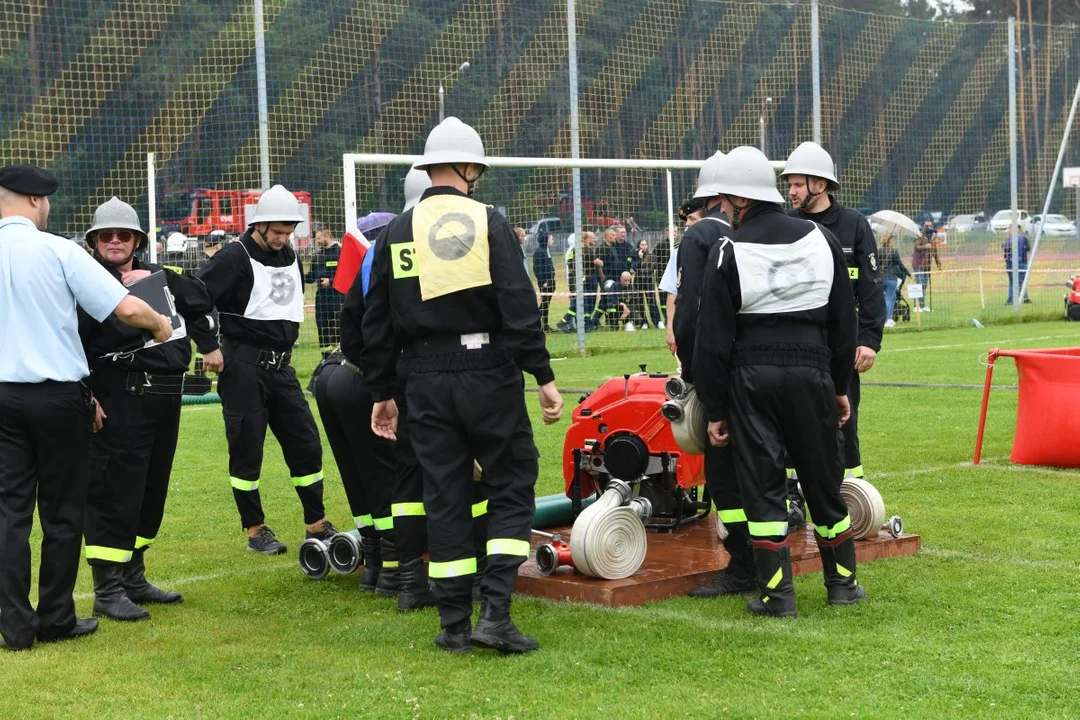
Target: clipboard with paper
[{"x": 154, "y": 291}]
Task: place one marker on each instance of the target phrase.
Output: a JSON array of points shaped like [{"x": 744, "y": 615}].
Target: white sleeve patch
[{"x": 785, "y": 278}]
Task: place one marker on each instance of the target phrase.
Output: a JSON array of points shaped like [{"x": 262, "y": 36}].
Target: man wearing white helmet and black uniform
[
  {"x": 775, "y": 348},
  {"x": 737, "y": 578},
  {"x": 138, "y": 388},
  {"x": 811, "y": 177},
  {"x": 450, "y": 301},
  {"x": 257, "y": 286}
]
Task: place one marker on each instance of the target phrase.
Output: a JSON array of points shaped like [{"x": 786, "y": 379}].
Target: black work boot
[
  {"x": 456, "y": 638},
  {"x": 777, "y": 591},
  {"x": 838, "y": 566},
  {"x": 496, "y": 631},
  {"x": 369, "y": 578},
  {"x": 389, "y": 582},
  {"x": 138, "y": 588},
  {"x": 738, "y": 577},
  {"x": 265, "y": 542},
  {"x": 109, "y": 598},
  {"x": 415, "y": 591}
]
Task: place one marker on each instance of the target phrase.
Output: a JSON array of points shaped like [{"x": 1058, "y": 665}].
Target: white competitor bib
[
  {"x": 785, "y": 278},
  {"x": 276, "y": 293}
]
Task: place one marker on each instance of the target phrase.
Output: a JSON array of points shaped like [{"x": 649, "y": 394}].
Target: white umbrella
[{"x": 892, "y": 220}]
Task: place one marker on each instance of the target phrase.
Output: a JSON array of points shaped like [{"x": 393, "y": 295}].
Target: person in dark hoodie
[
  {"x": 544, "y": 272},
  {"x": 138, "y": 387}
]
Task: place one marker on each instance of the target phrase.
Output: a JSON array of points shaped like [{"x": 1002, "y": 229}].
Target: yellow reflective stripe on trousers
[
  {"x": 389, "y": 564},
  {"x": 508, "y": 546},
  {"x": 307, "y": 479},
  {"x": 767, "y": 529},
  {"x": 363, "y": 521},
  {"x": 452, "y": 569},
  {"x": 409, "y": 509},
  {"x": 243, "y": 485},
  {"x": 141, "y": 542},
  {"x": 854, "y": 472},
  {"x": 479, "y": 508},
  {"x": 384, "y": 523},
  {"x": 830, "y": 532},
  {"x": 732, "y": 516},
  {"x": 97, "y": 552}
]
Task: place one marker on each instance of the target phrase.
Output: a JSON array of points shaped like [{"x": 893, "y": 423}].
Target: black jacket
[
  {"x": 690, "y": 267},
  {"x": 543, "y": 268},
  {"x": 860, "y": 251},
  {"x": 822, "y": 331},
  {"x": 229, "y": 281},
  {"x": 101, "y": 340},
  {"x": 396, "y": 315},
  {"x": 619, "y": 257},
  {"x": 325, "y": 265}
]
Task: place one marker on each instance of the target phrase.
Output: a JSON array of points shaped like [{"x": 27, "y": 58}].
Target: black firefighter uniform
[
  {"x": 259, "y": 295},
  {"x": 449, "y": 291}
]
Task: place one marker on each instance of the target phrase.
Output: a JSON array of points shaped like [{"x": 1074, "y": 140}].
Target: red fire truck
[{"x": 198, "y": 212}]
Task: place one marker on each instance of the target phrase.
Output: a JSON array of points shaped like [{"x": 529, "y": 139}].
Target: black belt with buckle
[
  {"x": 140, "y": 383},
  {"x": 266, "y": 359}
]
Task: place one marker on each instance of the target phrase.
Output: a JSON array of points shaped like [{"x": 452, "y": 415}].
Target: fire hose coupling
[
  {"x": 689, "y": 426},
  {"x": 342, "y": 554},
  {"x": 676, "y": 388}
]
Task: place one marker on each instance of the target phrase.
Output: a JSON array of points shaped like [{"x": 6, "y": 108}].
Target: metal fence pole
[
  {"x": 151, "y": 201},
  {"x": 264, "y": 118},
  {"x": 1014, "y": 229},
  {"x": 1050, "y": 190},
  {"x": 815, "y": 54},
  {"x": 670, "y": 214},
  {"x": 575, "y": 154}
]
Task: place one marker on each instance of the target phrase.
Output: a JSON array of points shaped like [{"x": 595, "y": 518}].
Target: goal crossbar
[{"x": 351, "y": 160}]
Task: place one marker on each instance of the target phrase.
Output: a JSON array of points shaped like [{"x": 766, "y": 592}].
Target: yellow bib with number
[{"x": 450, "y": 250}]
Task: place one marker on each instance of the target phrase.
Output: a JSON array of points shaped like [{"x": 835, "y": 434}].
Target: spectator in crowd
[
  {"x": 893, "y": 272},
  {"x": 520, "y": 232},
  {"x": 544, "y": 270},
  {"x": 646, "y": 279},
  {"x": 1023, "y": 251},
  {"x": 925, "y": 254},
  {"x": 321, "y": 273},
  {"x": 620, "y": 255},
  {"x": 589, "y": 283},
  {"x": 626, "y": 297}
]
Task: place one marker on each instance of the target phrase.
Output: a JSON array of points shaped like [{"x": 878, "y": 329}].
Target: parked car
[
  {"x": 1055, "y": 225},
  {"x": 1002, "y": 218},
  {"x": 935, "y": 216},
  {"x": 967, "y": 223}
]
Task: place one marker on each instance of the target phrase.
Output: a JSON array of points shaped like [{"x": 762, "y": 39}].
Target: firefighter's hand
[
  {"x": 99, "y": 416},
  {"x": 214, "y": 361},
  {"x": 324, "y": 282},
  {"x": 551, "y": 403},
  {"x": 598, "y": 263},
  {"x": 864, "y": 358},
  {"x": 718, "y": 433},
  {"x": 670, "y": 339},
  {"x": 164, "y": 329},
  {"x": 133, "y": 276},
  {"x": 843, "y": 409},
  {"x": 384, "y": 419}
]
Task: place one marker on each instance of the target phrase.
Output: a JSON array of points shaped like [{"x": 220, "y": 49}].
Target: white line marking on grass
[
  {"x": 192, "y": 579},
  {"x": 982, "y": 343},
  {"x": 998, "y": 558}
]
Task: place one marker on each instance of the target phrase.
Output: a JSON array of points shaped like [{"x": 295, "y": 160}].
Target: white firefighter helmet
[
  {"x": 813, "y": 160},
  {"x": 709, "y": 176},
  {"x": 452, "y": 141},
  {"x": 416, "y": 182},
  {"x": 176, "y": 243},
  {"x": 116, "y": 214},
  {"x": 747, "y": 173},
  {"x": 277, "y": 205}
]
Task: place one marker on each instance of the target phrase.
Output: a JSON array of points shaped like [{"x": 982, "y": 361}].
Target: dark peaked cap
[{"x": 28, "y": 180}]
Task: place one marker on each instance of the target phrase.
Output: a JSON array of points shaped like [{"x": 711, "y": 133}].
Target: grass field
[{"x": 982, "y": 623}]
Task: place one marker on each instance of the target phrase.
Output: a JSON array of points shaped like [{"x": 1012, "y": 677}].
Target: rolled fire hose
[
  {"x": 689, "y": 426},
  {"x": 865, "y": 506},
  {"x": 608, "y": 539}
]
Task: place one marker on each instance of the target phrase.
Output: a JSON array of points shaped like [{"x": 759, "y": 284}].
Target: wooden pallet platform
[{"x": 677, "y": 562}]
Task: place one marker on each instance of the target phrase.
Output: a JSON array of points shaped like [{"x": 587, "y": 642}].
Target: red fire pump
[
  {"x": 618, "y": 431},
  {"x": 1072, "y": 300}
]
